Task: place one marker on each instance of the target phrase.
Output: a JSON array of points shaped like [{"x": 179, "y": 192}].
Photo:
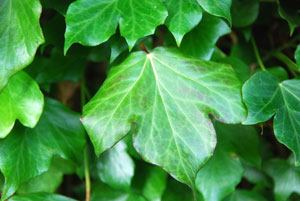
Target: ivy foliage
[{"x": 161, "y": 100}]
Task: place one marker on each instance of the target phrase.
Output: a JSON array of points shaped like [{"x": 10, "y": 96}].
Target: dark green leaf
[
  {"x": 26, "y": 152},
  {"x": 91, "y": 22},
  {"x": 265, "y": 96},
  {"x": 20, "y": 35},
  {"x": 288, "y": 10},
  {"x": 286, "y": 178},
  {"x": 245, "y": 195},
  {"x": 297, "y": 56},
  {"x": 183, "y": 16},
  {"x": 200, "y": 42},
  {"x": 115, "y": 167},
  {"x": 20, "y": 99},
  {"x": 168, "y": 97},
  {"x": 176, "y": 191},
  {"x": 244, "y": 12}
]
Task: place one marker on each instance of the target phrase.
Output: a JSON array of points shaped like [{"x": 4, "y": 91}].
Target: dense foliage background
[{"x": 139, "y": 100}]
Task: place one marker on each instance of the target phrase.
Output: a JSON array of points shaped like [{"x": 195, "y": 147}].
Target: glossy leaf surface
[
  {"x": 20, "y": 36},
  {"x": 20, "y": 99},
  {"x": 173, "y": 129}
]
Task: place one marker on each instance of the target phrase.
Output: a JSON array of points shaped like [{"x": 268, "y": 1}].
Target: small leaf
[
  {"x": 20, "y": 35},
  {"x": 39, "y": 197},
  {"x": 288, "y": 10},
  {"x": 26, "y": 152},
  {"x": 286, "y": 178},
  {"x": 244, "y": 12},
  {"x": 297, "y": 56},
  {"x": 217, "y": 8},
  {"x": 92, "y": 22},
  {"x": 265, "y": 96},
  {"x": 200, "y": 42},
  {"x": 168, "y": 97},
  {"x": 20, "y": 99},
  {"x": 115, "y": 167},
  {"x": 183, "y": 16}
]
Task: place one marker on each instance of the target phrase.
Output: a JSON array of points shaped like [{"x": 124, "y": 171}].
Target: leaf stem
[
  {"x": 84, "y": 93},
  {"x": 259, "y": 61}
]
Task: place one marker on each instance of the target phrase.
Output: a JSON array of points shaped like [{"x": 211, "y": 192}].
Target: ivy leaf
[
  {"x": 39, "y": 197},
  {"x": 234, "y": 143},
  {"x": 20, "y": 99},
  {"x": 91, "y": 22},
  {"x": 155, "y": 92},
  {"x": 183, "y": 16},
  {"x": 176, "y": 191},
  {"x": 265, "y": 96},
  {"x": 116, "y": 168},
  {"x": 102, "y": 192},
  {"x": 217, "y": 8},
  {"x": 200, "y": 42},
  {"x": 283, "y": 173},
  {"x": 245, "y": 195},
  {"x": 288, "y": 10},
  {"x": 244, "y": 12},
  {"x": 297, "y": 56},
  {"x": 26, "y": 152},
  {"x": 20, "y": 35}
]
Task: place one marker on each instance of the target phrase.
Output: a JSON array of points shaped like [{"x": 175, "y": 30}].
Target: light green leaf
[
  {"x": 115, "y": 167},
  {"x": 20, "y": 99},
  {"x": 168, "y": 97},
  {"x": 219, "y": 177},
  {"x": 183, "y": 16},
  {"x": 200, "y": 42},
  {"x": 286, "y": 178},
  {"x": 265, "y": 96},
  {"x": 288, "y": 10},
  {"x": 297, "y": 56},
  {"x": 39, "y": 197},
  {"x": 26, "y": 152},
  {"x": 244, "y": 12},
  {"x": 102, "y": 192},
  {"x": 217, "y": 8},
  {"x": 91, "y": 22},
  {"x": 20, "y": 35},
  {"x": 245, "y": 195}
]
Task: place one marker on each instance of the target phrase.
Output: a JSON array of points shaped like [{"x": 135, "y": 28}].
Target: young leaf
[
  {"x": 20, "y": 35},
  {"x": 168, "y": 96},
  {"x": 200, "y": 42},
  {"x": 217, "y": 8},
  {"x": 91, "y": 22},
  {"x": 26, "y": 152},
  {"x": 286, "y": 178},
  {"x": 20, "y": 99},
  {"x": 265, "y": 96},
  {"x": 102, "y": 192},
  {"x": 115, "y": 167},
  {"x": 39, "y": 197},
  {"x": 183, "y": 16}
]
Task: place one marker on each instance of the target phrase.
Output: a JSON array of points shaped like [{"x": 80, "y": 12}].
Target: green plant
[{"x": 180, "y": 100}]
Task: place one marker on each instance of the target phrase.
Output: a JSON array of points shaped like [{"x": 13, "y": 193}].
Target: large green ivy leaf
[
  {"x": 265, "y": 96},
  {"x": 183, "y": 16},
  {"x": 168, "y": 97},
  {"x": 217, "y": 8},
  {"x": 102, "y": 192},
  {"x": 39, "y": 197},
  {"x": 20, "y": 35},
  {"x": 200, "y": 42},
  {"x": 286, "y": 178},
  {"x": 20, "y": 99},
  {"x": 91, "y": 22},
  {"x": 115, "y": 167},
  {"x": 26, "y": 152},
  {"x": 234, "y": 143}
]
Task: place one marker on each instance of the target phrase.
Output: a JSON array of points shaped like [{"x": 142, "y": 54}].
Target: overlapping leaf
[
  {"x": 20, "y": 35},
  {"x": 168, "y": 97},
  {"x": 288, "y": 10},
  {"x": 91, "y": 22},
  {"x": 20, "y": 99},
  {"x": 39, "y": 197},
  {"x": 265, "y": 96},
  {"x": 183, "y": 16},
  {"x": 26, "y": 152}
]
